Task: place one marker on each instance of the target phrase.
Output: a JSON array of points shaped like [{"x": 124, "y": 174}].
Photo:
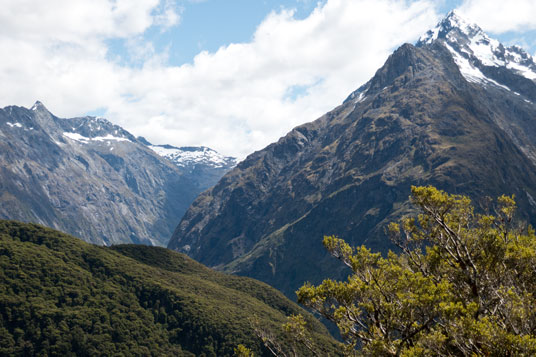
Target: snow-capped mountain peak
[
  {"x": 473, "y": 50},
  {"x": 192, "y": 156},
  {"x": 452, "y": 23}
]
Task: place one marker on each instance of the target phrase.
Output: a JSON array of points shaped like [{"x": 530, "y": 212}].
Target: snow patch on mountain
[
  {"x": 524, "y": 71},
  {"x": 189, "y": 156},
  {"x": 85, "y": 140},
  {"x": 471, "y": 73}
]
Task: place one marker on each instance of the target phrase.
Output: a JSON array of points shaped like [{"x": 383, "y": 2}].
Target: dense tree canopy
[
  {"x": 60, "y": 296},
  {"x": 464, "y": 283}
]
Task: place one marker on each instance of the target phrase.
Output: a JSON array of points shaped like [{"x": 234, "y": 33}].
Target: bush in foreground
[{"x": 463, "y": 284}]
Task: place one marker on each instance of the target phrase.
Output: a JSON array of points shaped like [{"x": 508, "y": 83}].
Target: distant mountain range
[
  {"x": 203, "y": 166},
  {"x": 95, "y": 180},
  {"x": 457, "y": 110}
]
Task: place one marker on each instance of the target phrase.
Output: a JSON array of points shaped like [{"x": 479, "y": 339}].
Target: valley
[{"x": 404, "y": 214}]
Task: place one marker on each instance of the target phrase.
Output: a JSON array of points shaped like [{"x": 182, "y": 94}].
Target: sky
[{"x": 233, "y": 75}]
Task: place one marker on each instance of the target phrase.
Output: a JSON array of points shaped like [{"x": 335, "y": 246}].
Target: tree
[
  {"x": 243, "y": 351},
  {"x": 463, "y": 284},
  {"x": 296, "y": 341}
]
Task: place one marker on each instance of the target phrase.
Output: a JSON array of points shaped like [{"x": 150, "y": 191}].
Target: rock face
[
  {"x": 92, "y": 179},
  {"x": 456, "y": 117}
]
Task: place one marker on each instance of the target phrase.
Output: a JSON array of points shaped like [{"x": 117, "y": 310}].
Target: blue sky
[
  {"x": 211, "y": 24},
  {"x": 207, "y": 25},
  {"x": 234, "y": 75}
]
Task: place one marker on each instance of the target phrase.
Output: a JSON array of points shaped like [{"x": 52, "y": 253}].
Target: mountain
[
  {"x": 202, "y": 165},
  {"x": 455, "y": 111},
  {"x": 61, "y": 296},
  {"x": 95, "y": 180}
]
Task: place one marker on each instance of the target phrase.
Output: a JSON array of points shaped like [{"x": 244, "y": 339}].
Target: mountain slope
[
  {"x": 419, "y": 120},
  {"x": 92, "y": 178},
  {"x": 62, "y": 296}
]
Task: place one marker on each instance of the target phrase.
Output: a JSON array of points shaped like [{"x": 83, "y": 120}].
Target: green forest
[
  {"x": 460, "y": 283},
  {"x": 61, "y": 296}
]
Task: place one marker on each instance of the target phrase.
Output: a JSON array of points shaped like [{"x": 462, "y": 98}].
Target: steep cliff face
[
  {"x": 420, "y": 120},
  {"x": 91, "y": 178}
]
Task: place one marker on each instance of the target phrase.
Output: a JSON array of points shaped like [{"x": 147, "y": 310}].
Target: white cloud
[
  {"x": 75, "y": 21},
  {"x": 235, "y": 100},
  {"x": 499, "y": 16},
  {"x": 168, "y": 16}
]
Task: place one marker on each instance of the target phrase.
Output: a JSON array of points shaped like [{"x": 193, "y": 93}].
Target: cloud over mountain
[
  {"x": 236, "y": 100},
  {"x": 97, "y": 57}
]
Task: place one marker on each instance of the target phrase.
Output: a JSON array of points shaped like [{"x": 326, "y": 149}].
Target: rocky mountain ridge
[
  {"x": 420, "y": 120},
  {"x": 93, "y": 179}
]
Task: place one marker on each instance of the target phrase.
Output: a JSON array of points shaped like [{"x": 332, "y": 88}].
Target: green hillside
[{"x": 62, "y": 296}]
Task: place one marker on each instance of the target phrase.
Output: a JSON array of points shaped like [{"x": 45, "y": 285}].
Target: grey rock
[
  {"x": 91, "y": 178},
  {"x": 420, "y": 120}
]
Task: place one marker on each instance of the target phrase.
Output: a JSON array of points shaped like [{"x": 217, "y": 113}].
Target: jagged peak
[
  {"x": 453, "y": 22},
  {"x": 38, "y": 106},
  {"x": 471, "y": 48}
]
